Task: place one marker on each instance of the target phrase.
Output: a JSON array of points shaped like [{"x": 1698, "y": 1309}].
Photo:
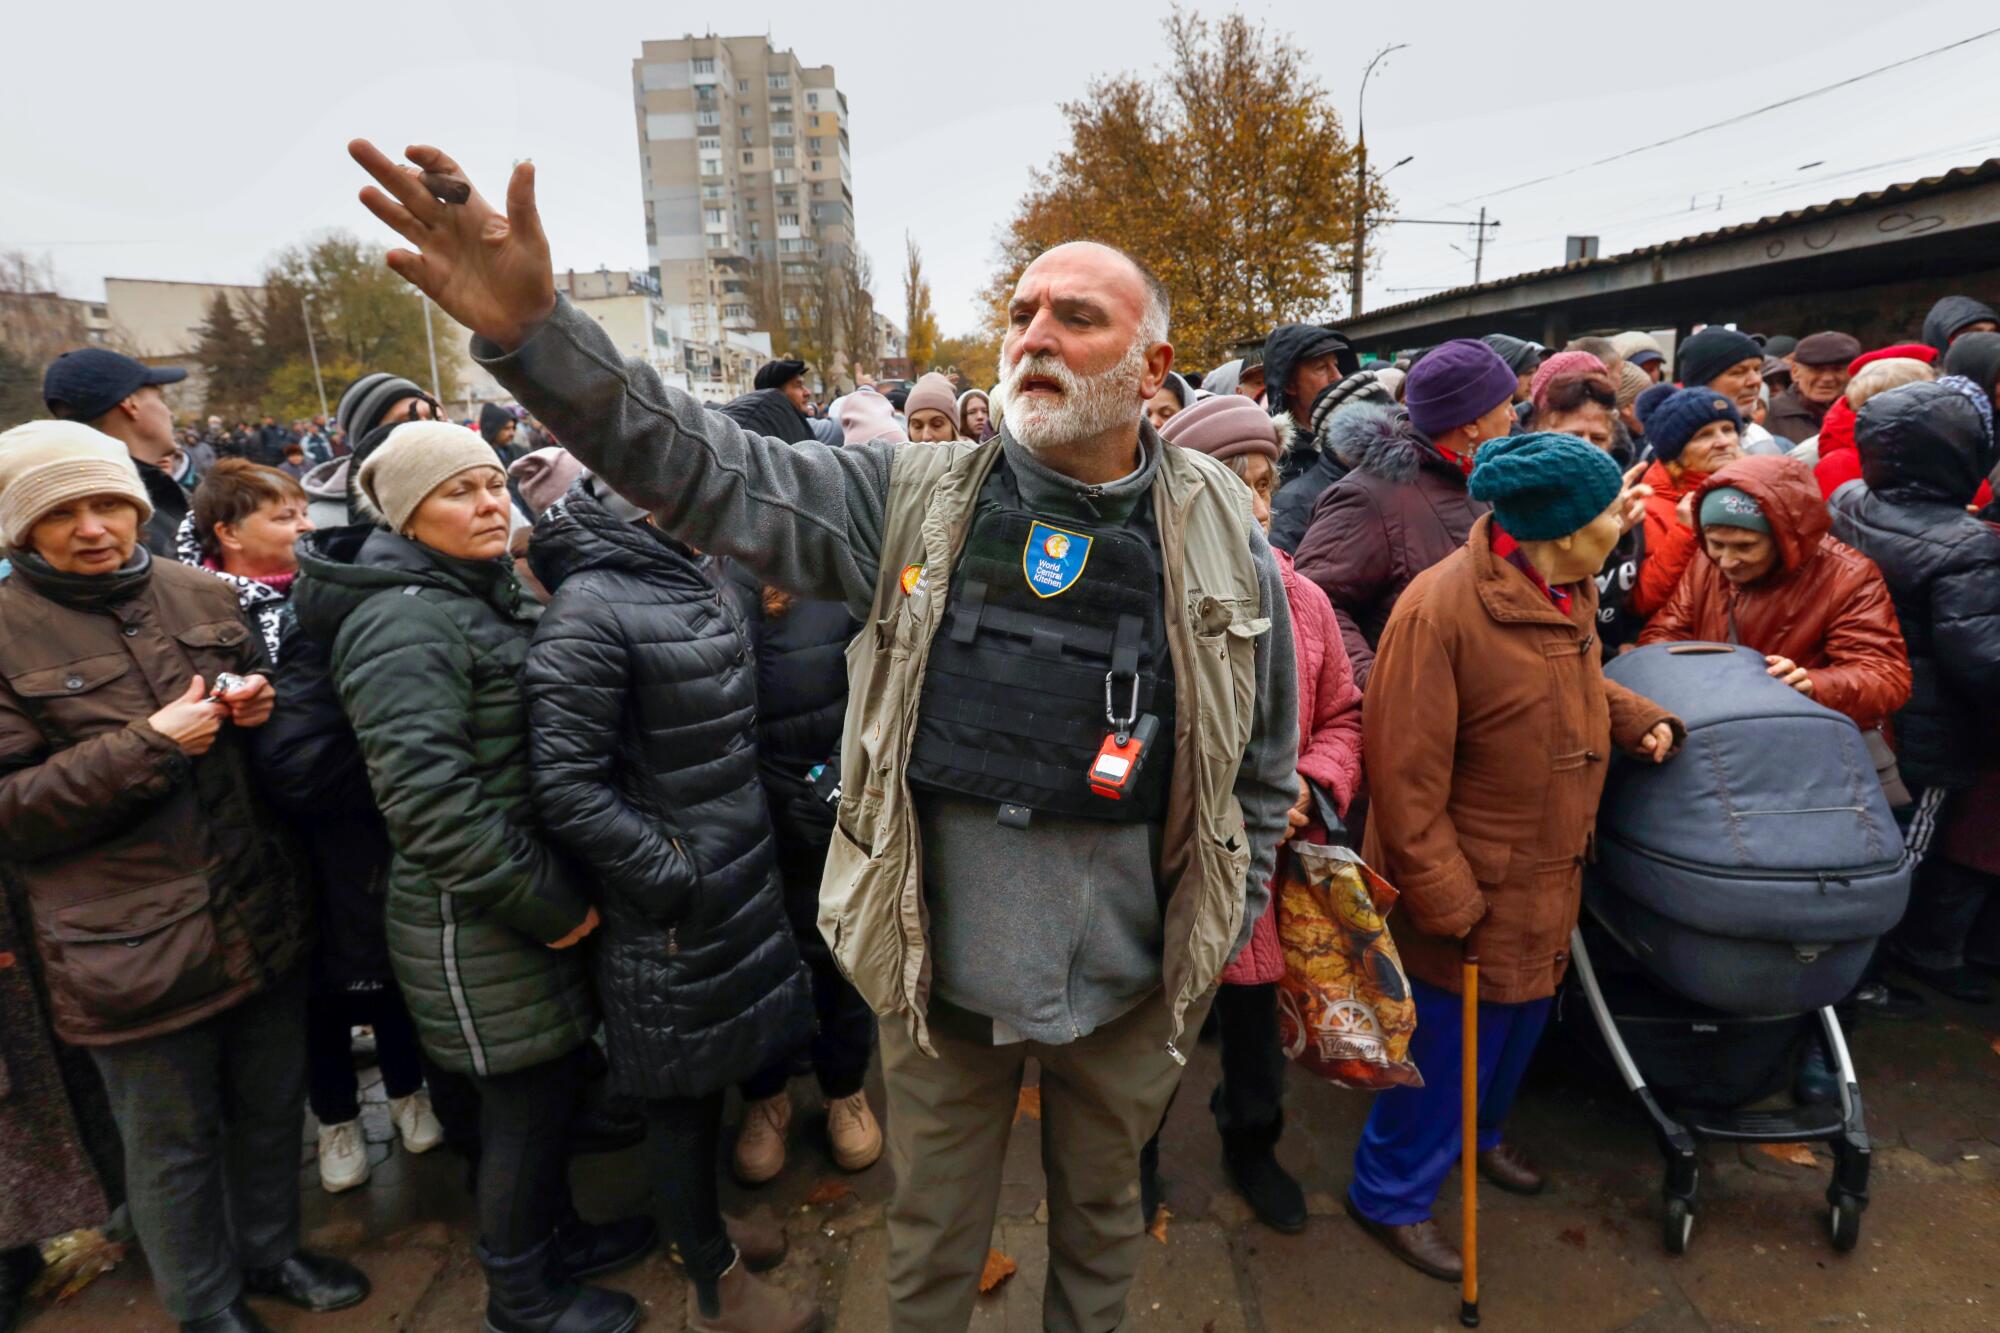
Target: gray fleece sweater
[{"x": 1050, "y": 932}]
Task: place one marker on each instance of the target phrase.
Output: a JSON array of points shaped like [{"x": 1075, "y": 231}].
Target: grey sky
[{"x": 195, "y": 147}]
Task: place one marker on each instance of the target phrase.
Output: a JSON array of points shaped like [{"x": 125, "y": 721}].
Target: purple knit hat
[
  {"x": 1456, "y": 383},
  {"x": 1227, "y": 425}
]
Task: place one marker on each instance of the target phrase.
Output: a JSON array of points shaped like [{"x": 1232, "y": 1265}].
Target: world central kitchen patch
[{"x": 1053, "y": 559}]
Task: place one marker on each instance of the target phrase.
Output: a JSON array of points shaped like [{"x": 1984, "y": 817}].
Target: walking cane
[{"x": 1468, "y": 1295}]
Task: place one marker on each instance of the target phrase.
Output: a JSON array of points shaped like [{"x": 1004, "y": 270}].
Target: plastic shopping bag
[{"x": 1344, "y": 1006}]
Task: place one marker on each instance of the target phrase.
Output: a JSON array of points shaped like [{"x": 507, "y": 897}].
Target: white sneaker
[
  {"x": 416, "y": 1124},
  {"x": 343, "y": 1157}
]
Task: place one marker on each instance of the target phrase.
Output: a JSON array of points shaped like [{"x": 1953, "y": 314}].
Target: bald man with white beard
[{"x": 1070, "y": 744}]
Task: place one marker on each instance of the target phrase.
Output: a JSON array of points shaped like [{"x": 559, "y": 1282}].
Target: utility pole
[
  {"x": 1360, "y": 260},
  {"x": 1478, "y": 256},
  {"x": 430, "y": 341},
  {"x": 312, "y": 347}
]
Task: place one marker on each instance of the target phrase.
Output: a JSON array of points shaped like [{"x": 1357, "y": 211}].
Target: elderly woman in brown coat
[
  {"x": 167, "y": 908},
  {"x": 1490, "y": 710}
]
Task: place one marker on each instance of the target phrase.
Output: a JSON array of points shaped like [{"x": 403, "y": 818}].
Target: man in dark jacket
[
  {"x": 121, "y": 397},
  {"x": 1405, "y": 507},
  {"x": 1301, "y": 360},
  {"x": 168, "y": 909},
  {"x": 1924, "y": 450},
  {"x": 787, "y": 376},
  {"x": 1954, "y": 315},
  {"x": 1338, "y": 449},
  {"x": 1819, "y": 376}
]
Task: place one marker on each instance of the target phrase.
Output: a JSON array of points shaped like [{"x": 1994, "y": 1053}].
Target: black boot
[
  {"x": 18, "y": 1270},
  {"x": 1269, "y": 1189},
  {"x": 586, "y": 1249},
  {"x": 235, "y": 1317},
  {"x": 521, "y": 1297},
  {"x": 315, "y": 1282}
]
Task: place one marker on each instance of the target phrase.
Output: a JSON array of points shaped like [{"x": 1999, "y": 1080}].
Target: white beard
[{"x": 1090, "y": 404}]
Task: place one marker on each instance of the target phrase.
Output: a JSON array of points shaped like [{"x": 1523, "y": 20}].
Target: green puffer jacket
[{"x": 427, "y": 655}]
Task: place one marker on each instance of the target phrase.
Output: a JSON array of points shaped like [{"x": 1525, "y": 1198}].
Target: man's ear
[{"x": 1159, "y": 360}]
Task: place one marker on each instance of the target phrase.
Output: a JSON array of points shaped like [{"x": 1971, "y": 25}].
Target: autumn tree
[
  {"x": 858, "y": 344},
  {"x": 235, "y": 365},
  {"x": 973, "y": 358},
  {"x": 919, "y": 320},
  {"x": 364, "y": 318},
  {"x": 36, "y": 326},
  {"x": 1227, "y": 174}
]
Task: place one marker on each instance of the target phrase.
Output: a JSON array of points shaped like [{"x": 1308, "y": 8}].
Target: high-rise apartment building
[{"x": 748, "y": 185}]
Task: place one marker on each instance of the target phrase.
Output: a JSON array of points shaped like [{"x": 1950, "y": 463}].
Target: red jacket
[
  {"x": 1329, "y": 744},
  {"x": 1825, "y": 606},
  {"x": 1669, "y": 547}
]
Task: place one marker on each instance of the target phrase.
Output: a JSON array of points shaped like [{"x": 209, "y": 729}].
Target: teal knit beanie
[
  {"x": 1544, "y": 485},
  {"x": 1727, "y": 507}
]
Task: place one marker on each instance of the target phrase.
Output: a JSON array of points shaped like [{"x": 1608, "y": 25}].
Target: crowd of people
[{"x": 616, "y": 750}]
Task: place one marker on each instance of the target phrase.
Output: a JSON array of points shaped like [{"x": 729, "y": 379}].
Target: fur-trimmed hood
[{"x": 1381, "y": 442}]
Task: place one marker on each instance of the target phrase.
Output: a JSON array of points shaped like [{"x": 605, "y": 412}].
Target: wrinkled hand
[
  {"x": 1684, "y": 511},
  {"x": 1658, "y": 743},
  {"x": 590, "y": 923},
  {"x": 490, "y": 272},
  {"x": 251, "y": 703},
  {"x": 192, "y": 720},
  {"x": 1632, "y": 497},
  {"x": 1794, "y": 675},
  {"x": 1300, "y": 814}
]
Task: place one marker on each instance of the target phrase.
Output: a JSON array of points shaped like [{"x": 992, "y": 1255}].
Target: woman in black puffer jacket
[
  {"x": 1924, "y": 450},
  {"x": 642, "y": 716}
]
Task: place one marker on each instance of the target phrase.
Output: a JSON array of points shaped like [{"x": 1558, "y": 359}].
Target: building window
[
  {"x": 750, "y": 204},
  {"x": 788, "y": 219},
  {"x": 781, "y": 129},
  {"x": 817, "y": 191},
  {"x": 783, "y": 152},
  {"x": 711, "y": 191},
  {"x": 756, "y": 229},
  {"x": 711, "y": 166},
  {"x": 707, "y": 118},
  {"x": 704, "y": 65},
  {"x": 813, "y": 146},
  {"x": 786, "y": 199},
  {"x": 744, "y": 134},
  {"x": 818, "y": 165},
  {"x": 743, "y": 112},
  {"x": 779, "y": 80},
  {"x": 795, "y": 245},
  {"x": 812, "y": 99},
  {"x": 708, "y": 141},
  {"x": 743, "y": 85},
  {"x": 714, "y": 216}
]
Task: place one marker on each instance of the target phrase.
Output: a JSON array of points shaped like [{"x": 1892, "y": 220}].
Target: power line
[{"x": 1737, "y": 119}]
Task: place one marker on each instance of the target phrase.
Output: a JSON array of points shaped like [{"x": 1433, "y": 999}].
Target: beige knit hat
[
  {"x": 47, "y": 463},
  {"x": 933, "y": 391},
  {"x": 416, "y": 459}
]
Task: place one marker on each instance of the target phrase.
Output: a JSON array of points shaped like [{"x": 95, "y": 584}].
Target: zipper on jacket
[
  {"x": 1820, "y": 877},
  {"x": 673, "y": 941}
]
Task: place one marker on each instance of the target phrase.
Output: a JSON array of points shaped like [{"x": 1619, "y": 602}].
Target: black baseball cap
[{"x": 85, "y": 384}]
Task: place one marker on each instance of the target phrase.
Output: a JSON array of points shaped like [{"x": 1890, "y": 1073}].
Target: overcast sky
[{"x": 191, "y": 141}]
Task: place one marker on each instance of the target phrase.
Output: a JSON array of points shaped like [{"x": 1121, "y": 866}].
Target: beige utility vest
[{"x": 871, "y": 903}]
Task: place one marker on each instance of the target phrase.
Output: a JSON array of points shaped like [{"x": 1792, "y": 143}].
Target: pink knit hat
[
  {"x": 1227, "y": 425},
  {"x": 1564, "y": 363},
  {"x": 933, "y": 391},
  {"x": 544, "y": 476},
  {"x": 866, "y": 415}
]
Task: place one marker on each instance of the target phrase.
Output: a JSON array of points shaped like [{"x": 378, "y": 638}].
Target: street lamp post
[
  {"x": 1361, "y": 181},
  {"x": 312, "y": 347},
  {"x": 430, "y": 341}
]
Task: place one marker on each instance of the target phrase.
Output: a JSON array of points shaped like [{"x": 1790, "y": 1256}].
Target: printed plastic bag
[{"x": 1344, "y": 1006}]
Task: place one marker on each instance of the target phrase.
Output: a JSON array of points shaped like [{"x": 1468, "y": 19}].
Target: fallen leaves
[
  {"x": 1029, "y": 1105},
  {"x": 1161, "y": 1216},
  {"x": 827, "y": 1192},
  {"x": 1797, "y": 1154},
  {"x": 998, "y": 1269}
]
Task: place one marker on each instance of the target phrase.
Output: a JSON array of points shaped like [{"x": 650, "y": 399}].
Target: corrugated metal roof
[{"x": 1956, "y": 178}]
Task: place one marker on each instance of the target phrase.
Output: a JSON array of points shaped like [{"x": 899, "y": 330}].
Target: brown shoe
[
  {"x": 746, "y": 1304},
  {"x": 851, "y": 1128},
  {"x": 1509, "y": 1168},
  {"x": 761, "y": 1242},
  {"x": 760, "y": 1144},
  {"x": 1420, "y": 1245}
]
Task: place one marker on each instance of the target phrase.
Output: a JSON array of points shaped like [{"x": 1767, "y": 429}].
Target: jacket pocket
[
  {"x": 860, "y": 918},
  {"x": 215, "y": 645},
  {"x": 79, "y": 699},
  {"x": 131, "y": 956},
  {"x": 1489, "y": 859}
]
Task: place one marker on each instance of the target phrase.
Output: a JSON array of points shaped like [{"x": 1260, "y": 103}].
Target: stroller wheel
[
  {"x": 1677, "y": 1224},
  {"x": 1844, "y": 1222}
]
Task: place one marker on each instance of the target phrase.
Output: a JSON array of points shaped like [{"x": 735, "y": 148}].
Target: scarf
[{"x": 1506, "y": 548}]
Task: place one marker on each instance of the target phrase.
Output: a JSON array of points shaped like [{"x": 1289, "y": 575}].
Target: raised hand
[{"x": 487, "y": 270}]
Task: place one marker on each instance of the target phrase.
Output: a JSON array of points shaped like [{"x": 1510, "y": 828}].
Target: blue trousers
[{"x": 1411, "y": 1140}]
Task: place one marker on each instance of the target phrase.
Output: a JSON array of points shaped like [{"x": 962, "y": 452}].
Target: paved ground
[{"x": 1585, "y": 1256}]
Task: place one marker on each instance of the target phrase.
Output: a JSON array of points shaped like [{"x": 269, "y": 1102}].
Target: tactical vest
[{"x": 1053, "y": 639}]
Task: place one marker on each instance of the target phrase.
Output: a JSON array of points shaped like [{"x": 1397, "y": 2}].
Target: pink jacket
[{"x": 1329, "y": 745}]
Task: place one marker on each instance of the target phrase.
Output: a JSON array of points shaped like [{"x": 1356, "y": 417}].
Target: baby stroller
[{"x": 1738, "y": 890}]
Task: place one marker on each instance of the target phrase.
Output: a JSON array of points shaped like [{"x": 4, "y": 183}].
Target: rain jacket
[
  {"x": 1924, "y": 450},
  {"x": 1825, "y": 606},
  {"x": 1951, "y": 314}
]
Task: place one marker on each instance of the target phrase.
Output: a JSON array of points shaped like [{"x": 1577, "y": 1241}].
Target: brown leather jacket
[
  {"x": 1825, "y": 606},
  {"x": 160, "y": 888},
  {"x": 1491, "y": 709}
]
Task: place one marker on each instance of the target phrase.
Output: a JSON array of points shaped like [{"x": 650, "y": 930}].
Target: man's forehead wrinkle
[{"x": 1095, "y": 284}]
